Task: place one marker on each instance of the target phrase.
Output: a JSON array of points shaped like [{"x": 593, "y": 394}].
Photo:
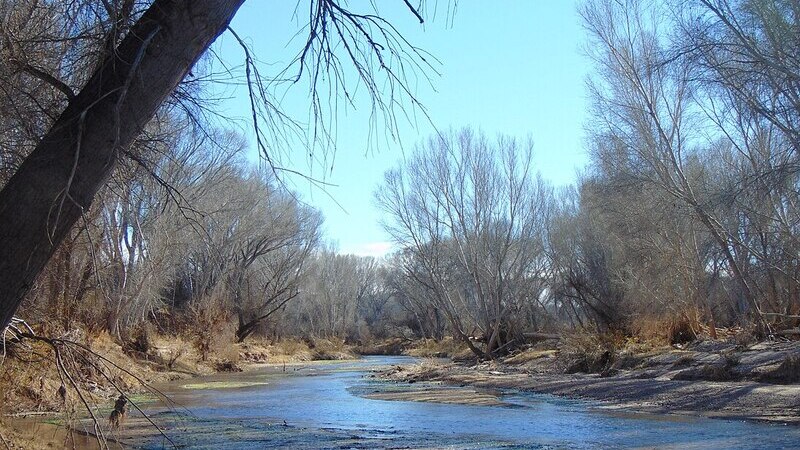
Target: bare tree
[
  {"x": 473, "y": 212},
  {"x": 644, "y": 119},
  {"x": 267, "y": 257}
]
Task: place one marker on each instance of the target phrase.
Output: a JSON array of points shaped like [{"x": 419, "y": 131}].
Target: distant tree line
[{"x": 689, "y": 211}]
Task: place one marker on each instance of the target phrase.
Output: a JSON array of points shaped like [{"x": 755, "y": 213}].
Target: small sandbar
[{"x": 439, "y": 394}]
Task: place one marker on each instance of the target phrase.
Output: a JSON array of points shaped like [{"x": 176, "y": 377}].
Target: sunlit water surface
[{"x": 321, "y": 408}]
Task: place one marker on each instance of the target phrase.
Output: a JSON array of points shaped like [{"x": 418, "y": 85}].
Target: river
[{"x": 319, "y": 406}]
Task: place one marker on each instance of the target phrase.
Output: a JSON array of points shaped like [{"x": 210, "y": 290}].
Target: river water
[{"x": 318, "y": 406}]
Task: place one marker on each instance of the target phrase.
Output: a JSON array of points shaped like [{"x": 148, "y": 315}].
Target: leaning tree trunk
[{"x": 57, "y": 182}]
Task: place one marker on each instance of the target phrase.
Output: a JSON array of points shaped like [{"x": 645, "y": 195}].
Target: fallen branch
[{"x": 791, "y": 332}]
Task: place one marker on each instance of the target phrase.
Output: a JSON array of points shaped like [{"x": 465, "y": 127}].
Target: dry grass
[
  {"x": 296, "y": 350},
  {"x": 430, "y": 348},
  {"x": 288, "y": 350},
  {"x": 668, "y": 329},
  {"x": 391, "y": 346},
  {"x": 332, "y": 349},
  {"x": 591, "y": 352},
  {"x": 32, "y": 383},
  {"x": 179, "y": 354}
]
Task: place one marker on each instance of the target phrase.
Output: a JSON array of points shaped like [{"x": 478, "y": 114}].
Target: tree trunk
[
  {"x": 244, "y": 331},
  {"x": 57, "y": 182}
]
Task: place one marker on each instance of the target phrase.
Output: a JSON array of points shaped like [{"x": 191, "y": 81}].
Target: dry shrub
[
  {"x": 592, "y": 352},
  {"x": 212, "y": 329},
  {"x": 746, "y": 335},
  {"x": 227, "y": 366},
  {"x": 139, "y": 342},
  {"x": 255, "y": 350},
  {"x": 173, "y": 354},
  {"x": 667, "y": 329}
]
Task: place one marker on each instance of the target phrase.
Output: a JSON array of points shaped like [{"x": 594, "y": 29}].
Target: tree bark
[{"x": 58, "y": 181}]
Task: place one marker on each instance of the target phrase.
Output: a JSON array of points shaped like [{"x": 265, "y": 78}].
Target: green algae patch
[{"x": 224, "y": 385}]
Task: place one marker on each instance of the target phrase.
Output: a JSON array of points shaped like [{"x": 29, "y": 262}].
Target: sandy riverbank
[{"x": 709, "y": 379}]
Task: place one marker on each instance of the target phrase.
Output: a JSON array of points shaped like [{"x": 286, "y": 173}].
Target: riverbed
[{"x": 326, "y": 405}]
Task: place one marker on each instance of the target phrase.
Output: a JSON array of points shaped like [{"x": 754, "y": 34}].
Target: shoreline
[
  {"x": 666, "y": 382},
  {"x": 661, "y": 384}
]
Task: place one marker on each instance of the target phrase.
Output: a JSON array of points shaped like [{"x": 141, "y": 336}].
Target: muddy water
[{"x": 323, "y": 406}]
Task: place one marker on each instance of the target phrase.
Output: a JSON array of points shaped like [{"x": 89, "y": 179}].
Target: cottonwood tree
[
  {"x": 745, "y": 52},
  {"x": 268, "y": 251},
  {"x": 134, "y": 55},
  {"x": 587, "y": 289},
  {"x": 377, "y": 309},
  {"x": 412, "y": 294},
  {"x": 343, "y": 296},
  {"x": 747, "y": 84},
  {"x": 644, "y": 119},
  {"x": 473, "y": 212}
]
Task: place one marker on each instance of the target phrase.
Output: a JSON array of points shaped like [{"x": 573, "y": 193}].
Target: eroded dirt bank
[{"x": 711, "y": 379}]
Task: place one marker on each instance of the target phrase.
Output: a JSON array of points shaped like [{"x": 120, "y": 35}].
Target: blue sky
[{"x": 511, "y": 67}]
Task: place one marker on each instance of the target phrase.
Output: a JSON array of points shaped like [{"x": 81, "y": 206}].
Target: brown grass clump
[
  {"x": 669, "y": 329},
  {"x": 591, "y": 352},
  {"x": 707, "y": 372}
]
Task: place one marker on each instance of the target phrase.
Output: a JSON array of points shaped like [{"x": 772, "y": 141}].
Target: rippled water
[{"x": 320, "y": 408}]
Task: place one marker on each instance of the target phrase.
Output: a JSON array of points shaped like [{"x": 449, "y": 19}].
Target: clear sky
[{"x": 511, "y": 67}]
